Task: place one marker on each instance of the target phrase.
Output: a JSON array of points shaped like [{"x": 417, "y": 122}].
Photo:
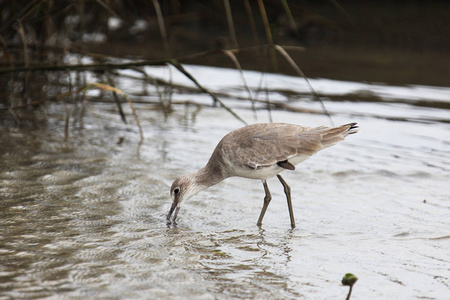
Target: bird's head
[{"x": 182, "y": 189}]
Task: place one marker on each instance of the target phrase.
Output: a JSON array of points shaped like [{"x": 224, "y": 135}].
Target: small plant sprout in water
[{"x": 349, "y": 279}]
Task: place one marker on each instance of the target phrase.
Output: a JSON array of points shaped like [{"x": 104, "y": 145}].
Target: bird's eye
[{"x": 176, "y": 190}]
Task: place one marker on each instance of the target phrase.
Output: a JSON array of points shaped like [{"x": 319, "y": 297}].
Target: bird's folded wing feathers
[{"x": 266, "y": 146}]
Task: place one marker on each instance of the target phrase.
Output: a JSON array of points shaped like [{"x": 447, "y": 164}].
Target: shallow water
[{"x": 86, "y": 217}]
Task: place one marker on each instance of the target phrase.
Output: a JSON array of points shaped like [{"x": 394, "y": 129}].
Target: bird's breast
[{"x": 260, "y": 172}]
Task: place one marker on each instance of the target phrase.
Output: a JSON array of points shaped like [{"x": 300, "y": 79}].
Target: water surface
[{"x": 86, "y": 217}]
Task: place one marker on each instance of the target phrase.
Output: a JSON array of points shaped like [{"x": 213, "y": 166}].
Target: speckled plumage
[{"x": 258, "y": 151}]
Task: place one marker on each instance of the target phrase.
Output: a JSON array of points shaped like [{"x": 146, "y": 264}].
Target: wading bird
[{"x": 257, "y": 151}]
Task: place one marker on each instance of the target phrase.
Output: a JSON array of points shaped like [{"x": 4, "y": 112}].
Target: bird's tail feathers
[
  {"x": 337, "y": 134},
  {"x": 353, "y": 128}
]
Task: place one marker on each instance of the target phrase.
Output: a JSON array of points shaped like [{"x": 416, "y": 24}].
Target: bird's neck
[{"x": 210, "y": 175}]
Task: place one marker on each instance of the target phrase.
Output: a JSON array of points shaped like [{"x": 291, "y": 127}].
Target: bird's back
[{"x": 261, "y": 147}]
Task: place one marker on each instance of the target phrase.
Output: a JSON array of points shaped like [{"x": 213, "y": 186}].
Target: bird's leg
[
  {"x": 287, "y": 191},
  {"x": 267, "y": 199}
]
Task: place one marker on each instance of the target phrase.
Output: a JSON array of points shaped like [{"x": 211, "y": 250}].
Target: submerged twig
[
  {"x": 66, "y": 121},
  {"x": 116, "y": 99}
]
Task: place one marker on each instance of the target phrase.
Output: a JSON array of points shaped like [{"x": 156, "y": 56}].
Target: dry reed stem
[
  {"x": 86, "y": 67},
  {"x": 162, "y": 27},
  {"x": 238, "y": 66},
  {"x": 130, "y": 65},
  {"x": 107, "y": 8},
  {"x": 289, "y": 16},
  {"x": 180, "y": 68},
  {"x": 111, "y": 89},
  {"x": 176, "y": 64},
  {"x": 120, "y": 92},
  {"x": 230, "y": 23},
  {"x": 26, "y": 57},
  {"x": 22, "y": 14},
  {"x": 268, "y": 34},
  {"x": 252, "y": 22},
  {"x": 300, "y": 72},
  {"x": 23, "y": 37},
  {"x": 343, "y": 11},
  {"x": 164, "y": 93}
]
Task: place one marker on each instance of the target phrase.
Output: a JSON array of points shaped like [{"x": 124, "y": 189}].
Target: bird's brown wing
[{"x": 261, "y": 145}]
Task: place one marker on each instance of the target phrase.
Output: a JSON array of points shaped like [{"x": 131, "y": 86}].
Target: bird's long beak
[{"x": 175, "y": 207}]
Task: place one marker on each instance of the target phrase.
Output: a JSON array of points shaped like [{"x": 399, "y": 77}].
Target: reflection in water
[
  {"x": 238, "y": 263},
  {"x": 86, "y": 217}
]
